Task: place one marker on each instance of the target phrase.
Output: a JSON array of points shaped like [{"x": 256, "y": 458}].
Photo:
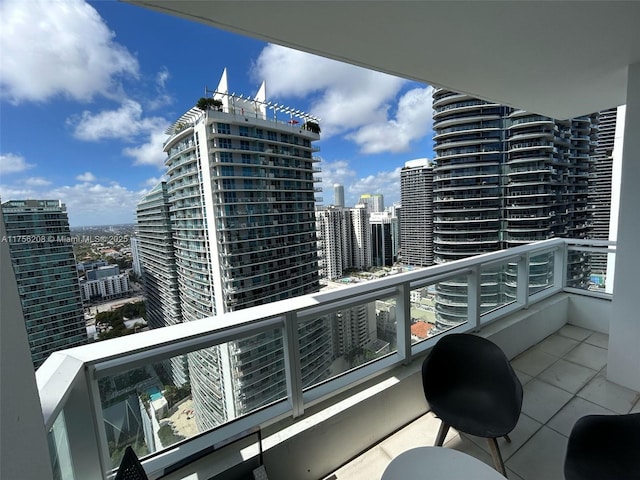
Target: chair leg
[
  {"x": 442, "y": 433},
  {"x": 497, "y": 458}
]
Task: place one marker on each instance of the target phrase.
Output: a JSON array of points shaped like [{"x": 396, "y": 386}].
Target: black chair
[
  {"x": 471, "y": 386},
  {"x": 130, "y": 467},
  {"x": 604, "y": 446}
]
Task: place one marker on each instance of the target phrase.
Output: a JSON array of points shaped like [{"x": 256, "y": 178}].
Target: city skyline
[{"x": 101, "y": 146}]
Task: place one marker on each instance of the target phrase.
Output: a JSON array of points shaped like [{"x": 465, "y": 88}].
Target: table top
[{"x": 438, "y": 463}]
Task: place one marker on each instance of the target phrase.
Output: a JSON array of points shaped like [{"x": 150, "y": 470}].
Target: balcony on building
[{"x": 556, "y": 336}]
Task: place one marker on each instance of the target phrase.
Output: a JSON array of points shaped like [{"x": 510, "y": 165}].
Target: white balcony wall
[
  {"x": 23, "y": 440},
  {"x": 624, "y": 336}
]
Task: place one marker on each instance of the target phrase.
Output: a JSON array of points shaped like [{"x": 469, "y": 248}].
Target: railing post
[
  {"x": 293, "y": 369},
  {"x": 522, "y": 285},
  {"x": 82, "y": 424},
  {"x": 403, "y": 322},
  {"x": 474, "y": 297},
  {"x": 561, "y": 258}
]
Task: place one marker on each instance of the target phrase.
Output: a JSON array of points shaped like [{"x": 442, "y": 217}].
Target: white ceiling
[{"x": 557, "y": 58}]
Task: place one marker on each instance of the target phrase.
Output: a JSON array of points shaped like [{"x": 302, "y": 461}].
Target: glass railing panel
[
  {"x": 423, "y": 312},
  {"x": 498, "y": 285},
  {"x": 588, "y": 270},
  {"x": 340, "y": 341},
  {"x": 451, "y": 304},
  {"x": 59, "y": 451},
  {"x": 541, "y": 272},
  {"x": 153, "y": 406}
]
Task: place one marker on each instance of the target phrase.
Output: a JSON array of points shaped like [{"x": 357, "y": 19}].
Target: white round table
[{"x": 438, "y": 463}]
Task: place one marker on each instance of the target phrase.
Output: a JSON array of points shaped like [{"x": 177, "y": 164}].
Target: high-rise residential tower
[
  {"x": 600, "y": 183},
  {"x": 416, "y": 215},
  {"x": 241, "y": 188},
  {"x": 505, "y": 177},
  {"x": 373, "y": 201},
  {"x": 40, "y": 244},
  {"x": 361, "y": 237},
  {"x": 335, "y": 241},
  {"x": 338, "y": 195},
  {"x": 159, "y": 272}
]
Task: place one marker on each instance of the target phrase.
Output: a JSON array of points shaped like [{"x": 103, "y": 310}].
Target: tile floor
[{"x": 563, "y": 379}]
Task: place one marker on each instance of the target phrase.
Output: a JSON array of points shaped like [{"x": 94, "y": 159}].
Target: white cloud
[
  {"x": 126, "y": 123},
  {"x": 37, "y": 182},
  {"x": 352, "y": 101},
  {"x": 54, "y": 48},
  {"x": 334, "y": 172},
  {"x": 413, "y": 121},
  {"x": 161, "y": 98},
  {"x": 123, "y": 123},
  {"x": 150, "y": 152},
  {"x": 343, "y": 96},
  {"x": 12, "y": 163},
  {"x": 162, "y": 76},
  {"x": 153, "y": 181},
  {"x": 86, "y": 177},
  {"x": 386, "y": 183},
  {"x": 87, "y": 203}
]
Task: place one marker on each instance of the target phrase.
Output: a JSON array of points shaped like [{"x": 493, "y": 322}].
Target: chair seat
[
  {"x": 476, "y": 411},
  {"x": 469, "y": 383},
  {"x": 604, "y": 446}
]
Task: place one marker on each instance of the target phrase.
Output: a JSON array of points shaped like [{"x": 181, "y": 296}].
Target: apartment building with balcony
[
  {"x": 600, "y": 184},
  {"x": 373, "y": 201},
  {"x": 159, "y": 271},
  {"x": 39, "y": 241},
  {"x": 242, "y": 192},
  {"x": 416, "y": 216},
  {"x": 105, "y": 288},
  {"x": 505, "y": 177},
  {"x": 335, "y": 241}
]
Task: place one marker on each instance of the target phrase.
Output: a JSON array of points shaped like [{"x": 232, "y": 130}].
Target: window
[
  {"x": 244, "y": 131},
  {"x": 224, "y": 128}
]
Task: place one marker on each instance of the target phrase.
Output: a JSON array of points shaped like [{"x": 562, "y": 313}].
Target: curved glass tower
[
  {"x": 502, "y": 178},
  {"x": 469, "y": 148}
]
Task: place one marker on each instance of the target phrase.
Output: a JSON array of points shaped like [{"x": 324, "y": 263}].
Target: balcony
[
  {"x": 302, "y": 419},
  {"x": 563, "y": 379}
]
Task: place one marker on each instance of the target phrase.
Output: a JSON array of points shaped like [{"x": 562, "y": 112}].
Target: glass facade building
[
  {"x": 505, "y": 177},
  {"x": 41, "y": 251}
]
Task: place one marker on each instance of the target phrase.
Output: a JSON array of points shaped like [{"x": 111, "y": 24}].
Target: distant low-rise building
[
  {"x": 103, "y": 272},
  {"x": 105, "y": 288},
  {"x": 85, "y": 266}
]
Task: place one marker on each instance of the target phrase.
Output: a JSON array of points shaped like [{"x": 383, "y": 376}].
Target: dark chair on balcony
[
  {"x": 130, "y": 467},
  {"x": 471, "y": 386},
  {"x": 604, "y": 446}
]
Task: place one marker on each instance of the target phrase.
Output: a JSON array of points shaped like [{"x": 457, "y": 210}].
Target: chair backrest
[
  {"x": 604, "y": 446},
  {"x": 472, "y": 360},
  {"x": 130, "y": 467}
]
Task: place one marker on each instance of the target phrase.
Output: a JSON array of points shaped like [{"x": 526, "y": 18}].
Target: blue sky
[{"x": 88, "y": 88}]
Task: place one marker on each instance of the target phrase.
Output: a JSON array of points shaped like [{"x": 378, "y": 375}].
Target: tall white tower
[{"x": 241, "y": 187}]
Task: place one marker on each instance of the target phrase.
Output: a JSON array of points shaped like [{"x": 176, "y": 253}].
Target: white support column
[
  {"x": 23, "y": 441},
  {"x": 624, "y": 331}
]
